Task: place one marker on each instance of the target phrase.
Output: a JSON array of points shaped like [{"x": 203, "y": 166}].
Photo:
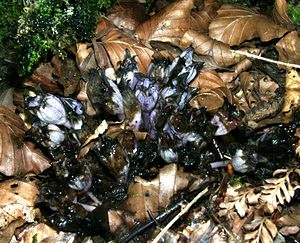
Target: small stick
[
  {"x": 265, "y": 59},
  {"x": 158, "y": 219},
  {"x": 182, "y": 212}
]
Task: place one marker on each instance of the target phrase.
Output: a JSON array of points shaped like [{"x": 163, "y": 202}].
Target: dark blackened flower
[
  {"x": 104, "y": 94},
  {"x": 127, "y": 70},
  {"x": 183, "y": 69}
]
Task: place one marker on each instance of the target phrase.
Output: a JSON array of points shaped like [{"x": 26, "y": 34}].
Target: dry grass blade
[
  {"x": 261, "y": 230},
  {"x": 168, "y": 25},
  {"x": 235, "y": 24}
]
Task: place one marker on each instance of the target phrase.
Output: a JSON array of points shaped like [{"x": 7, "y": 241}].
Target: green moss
[
  {"x": 294, "y": 13},
  {"x": 51, "y": 26},
  {"x": 9, "y": 15}
]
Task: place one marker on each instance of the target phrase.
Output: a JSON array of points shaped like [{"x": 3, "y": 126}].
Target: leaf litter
[{"x": 124, "y": 136}]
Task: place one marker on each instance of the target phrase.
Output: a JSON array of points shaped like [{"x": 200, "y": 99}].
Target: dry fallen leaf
[
  {"x": 201, "y": 18},
  {"x": 116, "y": 42},
  {"x": 67, "y": 73},
  {"x": 212, "y": 100},
  {"x": 261, "y": 229},
  {"x": 289, "y": 48},
  {"x": 240, "y": 67},
  {"x": 168, "y": 25},
  {"x": 207, "y": 80},
  {"x": 219, "y": 52},
  {"x": 127, "y": 15},
  {"x": 279, "y": 190},
  {"x": 43, "y": 77},
  {"x": 247, "y": 82},
  {"x": 152, "y": 195},
  {"x": 236, "y": 24},
  {"x": 17, "y": 205},
  {"x": 38, "y": 232},
  {"x": 280, "y": 12},
  {"x": 239, "y": 200},
  {"x": 17, "y": 157},
  {"x": 292, "y": 217},
  {"x": 292, "y": 93}
]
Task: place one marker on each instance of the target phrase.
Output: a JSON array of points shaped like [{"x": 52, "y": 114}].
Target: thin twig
[
  {"x": 182, "y": 212},
  {"x": 140, "y": 229},
  {"x": 247, "y": 54}
]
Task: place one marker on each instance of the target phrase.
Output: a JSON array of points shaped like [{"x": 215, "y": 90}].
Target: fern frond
[
  {"x": 261, "y": 230},
  {"x": 279, "y": 190}
]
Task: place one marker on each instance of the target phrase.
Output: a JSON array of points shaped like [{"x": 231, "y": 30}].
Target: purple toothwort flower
[{"x": 147, "y": 94}]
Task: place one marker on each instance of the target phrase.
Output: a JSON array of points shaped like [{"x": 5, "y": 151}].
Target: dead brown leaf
[
  {"x": 291, "y": 217},
  {"x": 67, "y": 73},
  {"x": 201, "y": 18},
  {"x": 280, "y": 12},
  {"x": 236, "y": 24},
  {"x": 247, "y": 84},
  {"x": 168, "y": 25},
  {"x": 152, "y": 195},
  {"x": 39, "y": 232},
  {"x": 127, "y": 15},
  {"x": 261, "y": 229},
  {"x": 7, "y": 98},
  {"x": 292, "y": 93},
  {"x": 289, "y": 48},
  {"x": 207, "y": 80},
  {"x": 43, "y": 77},
  {"x": 17, "y": 205},
  {"x": 212, "y": 99},
  {"x": 219, "y": 52},
  {"x": 228, "y": 77},
  {"x": 17, "y": 157},
  {"x": 116, "y": 42},
  {"x": 85, "y": 57}
]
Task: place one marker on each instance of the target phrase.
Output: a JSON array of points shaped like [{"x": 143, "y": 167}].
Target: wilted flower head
[
  {"x": 104, "y": 94},
  {"x": 51, "y": 109},
  {"x": 56, "y": 136}
]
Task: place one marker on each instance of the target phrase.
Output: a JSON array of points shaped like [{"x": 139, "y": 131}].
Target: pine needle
[
  {"x": 265, "y": 59},
  {"x": 182, "y": 212}
]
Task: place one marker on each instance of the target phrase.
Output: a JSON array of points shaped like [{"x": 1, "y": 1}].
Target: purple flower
[{"x": 147, "y": 94}]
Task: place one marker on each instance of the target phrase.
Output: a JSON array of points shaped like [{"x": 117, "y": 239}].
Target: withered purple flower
[{"x": 51, "y": 109}]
